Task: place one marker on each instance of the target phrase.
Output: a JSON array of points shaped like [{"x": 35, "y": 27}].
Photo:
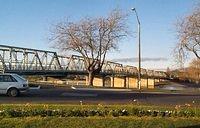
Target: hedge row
[{"x": 97, "y": 112}]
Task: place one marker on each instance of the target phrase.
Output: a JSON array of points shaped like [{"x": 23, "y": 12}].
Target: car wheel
[{"x": 13, "y": 92}]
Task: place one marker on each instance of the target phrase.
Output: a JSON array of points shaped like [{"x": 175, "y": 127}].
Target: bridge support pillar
[
  {"x": 44, "y": 78},
  {"x": 157, "y": 80},
  {"x": 86, "y": 80},
  {"x": 112, "y": 81},
  {"x": 118, "y": 82},
  {"x": 144, "y": 83},
  {"x": 151, "y": 83},
  {"x": 131, "y": 82},
  {"x": 98, "y": 81},
  {"x": 161, "y": 80}
]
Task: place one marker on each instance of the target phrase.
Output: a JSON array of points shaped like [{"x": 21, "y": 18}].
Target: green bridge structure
[{"x": 28, "y": 61}]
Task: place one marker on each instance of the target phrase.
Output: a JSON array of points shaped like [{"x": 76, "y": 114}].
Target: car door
[{"x": 2, "y": 85}]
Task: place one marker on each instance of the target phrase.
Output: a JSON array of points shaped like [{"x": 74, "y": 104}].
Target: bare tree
[
  {"x": 188, "y": 30},
  {"x": 92, "y": 38},
  {"x": 191, "y": 73}
]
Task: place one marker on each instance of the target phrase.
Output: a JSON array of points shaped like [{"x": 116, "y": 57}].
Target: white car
[{"x": 12, "y": 84}]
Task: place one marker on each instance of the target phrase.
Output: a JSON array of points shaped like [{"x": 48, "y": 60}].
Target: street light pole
[{"x": 139, "y": 51}]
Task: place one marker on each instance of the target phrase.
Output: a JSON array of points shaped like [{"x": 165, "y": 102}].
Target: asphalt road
[{"x": 101, "y": 96}]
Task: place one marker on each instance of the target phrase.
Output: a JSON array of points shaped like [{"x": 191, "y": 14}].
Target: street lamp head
[{"x": 133, "y": 9}]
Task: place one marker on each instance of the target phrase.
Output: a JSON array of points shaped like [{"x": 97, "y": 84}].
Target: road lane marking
[
  {"x": 100, "y": 89},
  {"x": 72, "y": 87},
  {"x": 34, "y": 88},
  {"x": 79, "y": 94}
]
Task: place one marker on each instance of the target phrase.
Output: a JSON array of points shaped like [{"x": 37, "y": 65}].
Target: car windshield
[{"x": 21, "y": 78}]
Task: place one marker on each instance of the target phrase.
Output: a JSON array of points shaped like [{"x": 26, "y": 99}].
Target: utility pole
[{"x": 139, "y": 50}]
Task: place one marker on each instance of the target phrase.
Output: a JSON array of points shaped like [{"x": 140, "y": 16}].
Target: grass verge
[
  {"x": 97, "y": 116},
  {"x": 99, "y": 122}
]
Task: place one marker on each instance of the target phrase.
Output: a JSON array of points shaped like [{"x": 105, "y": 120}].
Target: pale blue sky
[{"x": 26, "y": 23}]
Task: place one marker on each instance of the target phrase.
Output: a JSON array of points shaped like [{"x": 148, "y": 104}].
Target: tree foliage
[{"x": 191, "y": 73}]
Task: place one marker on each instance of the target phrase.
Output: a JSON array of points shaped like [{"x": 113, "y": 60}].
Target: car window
[
  {"x": 19, "y": 77},
  {"x": 1, "y": 78},
  {"x": 13, "y": 79},
  {"x": 8, "y": 78}
]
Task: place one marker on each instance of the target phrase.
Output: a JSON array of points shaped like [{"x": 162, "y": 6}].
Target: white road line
[
  {"x": 100, "y": 89},
  {"x": 72, "y": 87},
  {"x": 79, "y": 94},
  {"x": 34, "y": 88},
  {"x": 160, "y": 93}
]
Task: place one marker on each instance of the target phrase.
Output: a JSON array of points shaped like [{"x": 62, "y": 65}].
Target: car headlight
[{"x": 25, "y": 85}]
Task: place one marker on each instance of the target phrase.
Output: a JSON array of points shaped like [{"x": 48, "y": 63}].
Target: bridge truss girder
[{"x": 17, "y": 59}]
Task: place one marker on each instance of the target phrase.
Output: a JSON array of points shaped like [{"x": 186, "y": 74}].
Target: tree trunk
[{"x": 90, "y": 78}]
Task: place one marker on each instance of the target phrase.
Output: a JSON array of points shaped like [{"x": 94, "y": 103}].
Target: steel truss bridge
[{"x": 27, "y": 61}]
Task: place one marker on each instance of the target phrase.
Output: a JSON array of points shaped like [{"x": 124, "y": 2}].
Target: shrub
[
  {"x": 85, "y": 111},
  {"x": 161, "y": 113},
  {"x": 154, "y": 113}
]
